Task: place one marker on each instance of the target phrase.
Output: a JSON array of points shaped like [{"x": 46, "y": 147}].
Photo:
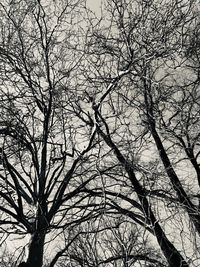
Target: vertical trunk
[
  {"x": 36, "y": 249},
  {"x": 35, "y": 257}
]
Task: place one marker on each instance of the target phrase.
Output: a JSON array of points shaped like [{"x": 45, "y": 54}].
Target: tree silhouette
[{"x": 100, "y": 121}]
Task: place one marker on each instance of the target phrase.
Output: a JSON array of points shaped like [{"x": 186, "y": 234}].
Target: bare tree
[
  {"x": 133, "y": 72},
  {"x": 110, "y": 241},
  {"x": 42, "y": 154},
  {"x": 99, "y": 115}
]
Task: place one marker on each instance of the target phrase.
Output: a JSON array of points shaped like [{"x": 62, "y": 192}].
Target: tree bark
[{"x": 35, "y": 257}]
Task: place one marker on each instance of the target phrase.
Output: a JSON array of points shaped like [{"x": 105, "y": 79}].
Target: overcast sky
[{"x": 94, "y": 4}]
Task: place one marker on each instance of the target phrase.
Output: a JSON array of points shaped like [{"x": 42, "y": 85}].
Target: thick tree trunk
[{"x": 35, "y": 257}]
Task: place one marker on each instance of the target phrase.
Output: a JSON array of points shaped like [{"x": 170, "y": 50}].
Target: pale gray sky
[{"x": 94, "y": 4}]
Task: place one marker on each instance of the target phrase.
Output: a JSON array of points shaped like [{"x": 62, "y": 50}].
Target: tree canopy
[{"x": 100, "y": 133}]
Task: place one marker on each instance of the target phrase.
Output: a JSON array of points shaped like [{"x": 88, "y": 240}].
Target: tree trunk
[
  {"x": 192, "y": 211},
  {"x": 171, "y": 254},
  {"x": 35, "y": 257},
  {"x": 184, "y": 199}
]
